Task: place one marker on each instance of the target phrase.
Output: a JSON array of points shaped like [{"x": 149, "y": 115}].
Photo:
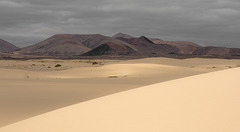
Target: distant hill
[
  {"x": 111, "y": 48},
  {"x": 87, "y": 45},
  {"x": 1, "y": 54},
  {"x": 184, "y": 46},
  {"x": 155, "y": 40},
  {"x": 217, "y": 51},
  {"x": 6, "y": 46},
  {"x": 147, "y": 48},
  {"x": 235, "y": 51},
  {"x": 5, "y": 55},
  {"x": 68, "y": 45},
  {"x": 122, "y": 35}
]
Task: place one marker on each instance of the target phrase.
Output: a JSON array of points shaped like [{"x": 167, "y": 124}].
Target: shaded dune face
[
  {"x": 178, "y": 105},
  {"x": 6, "y": 46}
]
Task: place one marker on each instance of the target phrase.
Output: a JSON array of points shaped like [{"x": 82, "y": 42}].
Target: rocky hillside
[{"x": 6, "y": 46}]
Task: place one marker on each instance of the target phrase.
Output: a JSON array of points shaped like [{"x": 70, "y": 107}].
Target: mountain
[
  {"x": 184, "y": 46},
  {"x": 217, "y": 51},
  {"x": 122, "y": 35},
  {"x": 6, "y": 46},
  {"x": 5, "y": 55},
  {"x": 77, "y": 45},
  {"x": 68, "y": 45},
  {"x": 111, "y": 48},
  {"x": 146, "y": 47},
  {"x": 1, "y": 54},
  {"x": 155, "y": 40},
  {"x": 235, "y": 51}
]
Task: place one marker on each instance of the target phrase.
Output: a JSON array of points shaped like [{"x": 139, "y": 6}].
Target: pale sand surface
[
  {"x": 29, "y": 88},
  {"x": 203, "y": 103}
]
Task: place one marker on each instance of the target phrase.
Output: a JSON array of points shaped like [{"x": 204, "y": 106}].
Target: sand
[
  {"x": 202, "y": 103},
  {"x": 28, "y": 90}
]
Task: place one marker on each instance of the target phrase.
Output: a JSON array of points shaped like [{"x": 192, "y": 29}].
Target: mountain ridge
[
  {"x": 120, "y": 45},
  {"x": 6, "y": 46}
]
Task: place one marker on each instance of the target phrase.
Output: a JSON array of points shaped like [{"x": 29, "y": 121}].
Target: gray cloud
[{"x": 215, "y": 22}]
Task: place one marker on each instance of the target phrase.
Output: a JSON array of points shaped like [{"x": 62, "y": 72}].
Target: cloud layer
[{"x": 215, "y": 22}]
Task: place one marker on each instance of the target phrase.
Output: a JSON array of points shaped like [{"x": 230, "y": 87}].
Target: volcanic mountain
[
  {"x": 6, "y": 46},
  {"x": 111, "y": 48},
  {"x": 217, "y": 51},
  {"x": 1, "y": 54},
  {"x": 155, "y": 40},
  {"x": 184, "y": 46},
  {"x": 146, "y": 47},
  {"x": 69, "y": 44},
  {"x": 122, "y": 35}
]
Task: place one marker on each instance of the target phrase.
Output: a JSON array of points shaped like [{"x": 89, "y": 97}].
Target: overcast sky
[{"x": 206, "y": 22}]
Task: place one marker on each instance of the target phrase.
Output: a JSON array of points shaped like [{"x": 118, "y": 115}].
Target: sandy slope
[
  {"x": 27, "y": 90},
  {"x": 203, "y": 103}
]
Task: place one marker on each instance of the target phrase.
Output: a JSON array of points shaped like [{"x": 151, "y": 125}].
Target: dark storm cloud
[{"x": 215, "y": 22}]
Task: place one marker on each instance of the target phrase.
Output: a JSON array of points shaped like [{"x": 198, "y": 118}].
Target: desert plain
[{"x": 150, "y": 94}]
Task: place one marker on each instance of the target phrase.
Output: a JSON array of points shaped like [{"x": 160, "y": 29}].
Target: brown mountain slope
[
  {"x": 56, "y": 45},
  {"x": 234, "y": 51},
  {"x": 92, "y": 41},
  {"x": 1, "y": 54},
  {"x": 6, "y": 46},
  {"x": 185, "y": 46},
  {"x": 5, "y": 55},
  {"x": 217, "y": 51},
  {"x": 147, "y": 48},
  {"x": 68, "y": 45},
  {"x": 155, "y": 40},
  {"x": 111, "y": 48},
  {"x": 122, "y": 35}
]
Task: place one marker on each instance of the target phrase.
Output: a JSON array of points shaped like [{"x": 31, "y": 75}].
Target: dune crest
[
  {"x": 201, "y": 103},
  {"x": 119, "y": 70}
]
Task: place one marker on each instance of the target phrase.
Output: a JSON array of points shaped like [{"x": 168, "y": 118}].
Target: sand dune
[
  {"x": 116, "y": 70},
  {"x": 29, "y": 88},
  {"x": 203, "y": 103}
]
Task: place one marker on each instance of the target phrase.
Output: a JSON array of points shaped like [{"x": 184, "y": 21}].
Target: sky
[{"x": 206, "y": 22}]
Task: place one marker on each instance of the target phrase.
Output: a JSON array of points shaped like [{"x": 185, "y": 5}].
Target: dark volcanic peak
[
  {"x": 89, "y": 40},
  {"x": 76, "y": 45},
  {"x": 69, "y": 44},
  {"x": 122, "y": 35},
  {"x": 111, "y": 48},
  {"x": 137, "y": 41},
  {"x": 143, "y": 38},
  {"x": 6, "y": 46},
  {"x": 64, "y": 44},
  {"x": 148, "y": 48},
  {"x": 184, "y": 46}
]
